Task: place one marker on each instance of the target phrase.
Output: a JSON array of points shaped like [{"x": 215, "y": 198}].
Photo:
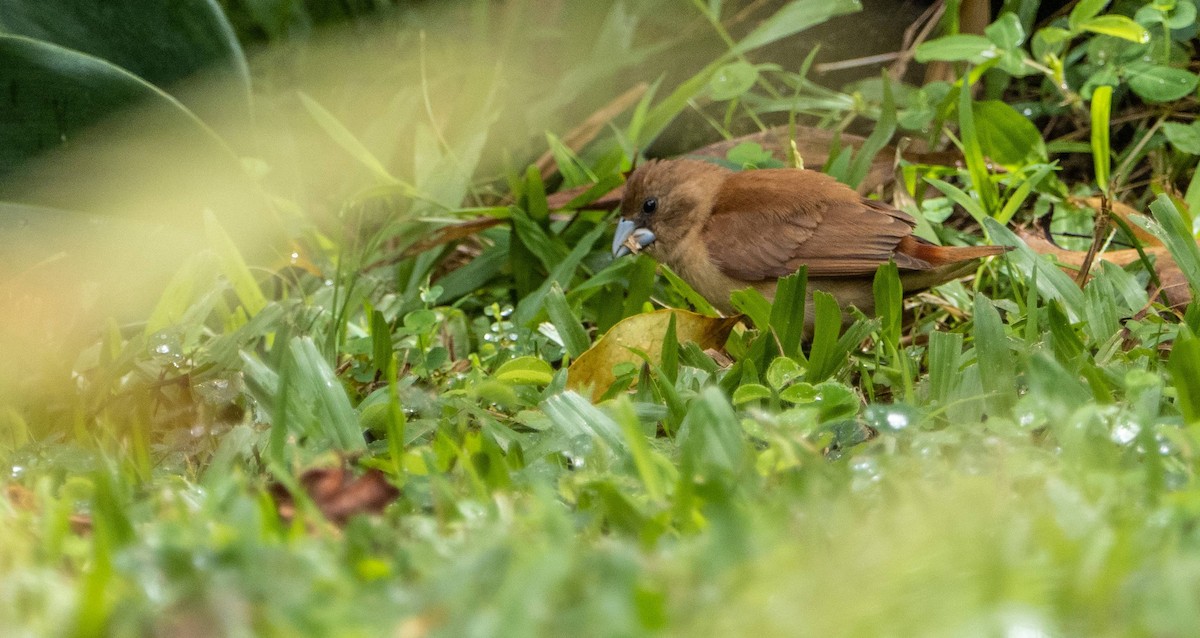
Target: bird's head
[{"x": 664, "y": 200}]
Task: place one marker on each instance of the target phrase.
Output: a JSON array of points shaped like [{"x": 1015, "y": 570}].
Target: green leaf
[
  {"x": 1052, "y": 283},
  {"x": 1175, "y": 233},
  {"x": 788, "y": 311},
  {"x": 1157, "y": 83},
  {"x": 532, "y": 305},
  {"x": 827, "y": 322},
  {"x": 349, "y": 143},
  {"x": 732, "y": 80},
  {"x": 793, "y": 18},
  {"x": 685, "y": 290},
  {"x": 981, "y": 179},
  {"x": 748, "y": 392},
  {"x": 1006, "y": 136},
  {"x": 754, "y": 305},
  {"x": 945, "y": 361},
  {"x": 889, "y": 302},
  {"x": 1184, "y": 365},
  {"x": 1185, "y": 137},
  {"x": 162, "y": 43},
  {"x": 1117, "y": 26},
  {"x": 879, "y": 138},
  {"x": 535, "y": 196},
  {"x": 234, "y": 266},
  {"x": 1085, "y": 10},
  {"x": 1101, "y": 152},
  {"x": 782, "y": 372},
  {"x": 315, "y": 381},
  {"x": 525, "y": 371},
  {"x": 963, "y": 47},
  {"x": 574, "y": 337},
  {"x": 995, "y": 360},
  {"x": 1006, "y": 32},
  {"x": 84, "y": 90},
  {"x": 711, "y": 437}
]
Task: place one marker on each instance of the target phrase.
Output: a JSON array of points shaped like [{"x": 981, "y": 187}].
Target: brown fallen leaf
[
  {"x": 1174, "y": 283},
  {"x": 644, "y": 332},
  {"x": 338, "y": 493},
  {"x": 1122, "y": 210}
]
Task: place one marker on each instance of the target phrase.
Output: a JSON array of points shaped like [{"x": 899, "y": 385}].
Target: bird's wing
[{"x": 768, "y": 223}]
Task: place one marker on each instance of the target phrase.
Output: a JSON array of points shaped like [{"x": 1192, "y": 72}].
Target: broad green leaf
[
  {"x": 1117, "y": 26},
  {"x": 992, "y": 353},
  {"x": 84, "y": 90},
  {"x": 945, "y": 361},
  {"x": 1006, "y": 32},
  {"x": 754, "y": 305},
  {"x": 1085, "y": 10},
  {"x": 782, "y": 372},
  {"x": 525, "y": 371},
  {"x": 1007, "y": 137},
  {"x": 1185, "y": 137},
  {"x": 162, "y": 43},
  {"x": 1157, "y": 83},
  {"x": 748, "y": 392},
  {"x": 732, "y": 80},
  {"x": 961, "y": 47},
  {"x": 575, "y": 416}
]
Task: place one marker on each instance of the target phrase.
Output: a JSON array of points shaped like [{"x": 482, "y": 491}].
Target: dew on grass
[{"x": 1125, "y": 432}]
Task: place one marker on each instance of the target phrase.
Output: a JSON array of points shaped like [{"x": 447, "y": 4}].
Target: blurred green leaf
[
  {"x": 1185, "y": 137},
  {"x": 1117, "y": 26},
  {"x": 1157, "y": 83},
  {"x": 732, "y": 80},
  {"x": 957, "y": 48}
]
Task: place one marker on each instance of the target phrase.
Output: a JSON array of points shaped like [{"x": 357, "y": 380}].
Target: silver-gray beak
[{"x": 627, "y": 228}]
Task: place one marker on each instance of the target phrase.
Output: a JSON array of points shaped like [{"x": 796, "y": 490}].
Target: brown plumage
[{"x": 723, "y": 231}]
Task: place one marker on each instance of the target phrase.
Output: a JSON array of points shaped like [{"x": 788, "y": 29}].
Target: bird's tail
[{"x": 937, "y": 256}]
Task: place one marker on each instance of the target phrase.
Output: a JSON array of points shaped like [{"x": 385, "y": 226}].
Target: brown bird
[{"x": 723, "y": 231}]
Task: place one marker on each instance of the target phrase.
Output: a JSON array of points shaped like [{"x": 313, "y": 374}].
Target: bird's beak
[{"x": 628, "y": 230}]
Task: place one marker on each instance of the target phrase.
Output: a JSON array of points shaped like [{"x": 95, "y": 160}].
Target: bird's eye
[{"x": 650, "y": 205}]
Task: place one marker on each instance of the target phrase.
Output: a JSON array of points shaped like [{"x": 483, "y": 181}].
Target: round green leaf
[
  {"x": 1007, "y": 137},
  {"x": 750, "y": 392},
  {"x": 1185, "y": 137},
  {"x": 732, "y": 80},
  {"x": 525, "y": 371},
  {"x": 1006, "y": 32},
  {"x": 1157, "y": 83}
]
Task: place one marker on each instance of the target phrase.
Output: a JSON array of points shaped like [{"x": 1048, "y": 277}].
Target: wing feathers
[{"x": 767, "y": 223}]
